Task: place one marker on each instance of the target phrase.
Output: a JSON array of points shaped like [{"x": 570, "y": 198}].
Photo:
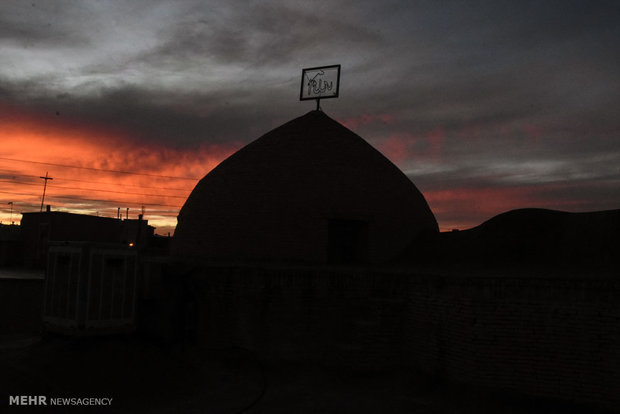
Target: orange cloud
[
  {"x": 95, "y": 170},
  {"x": 401, "y": 146},
  {"x": 365, "y": 119},
  {"x": 468, "y": 207}
]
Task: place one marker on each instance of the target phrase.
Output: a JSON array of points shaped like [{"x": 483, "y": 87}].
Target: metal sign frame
[{"x": 304, "y": 84}]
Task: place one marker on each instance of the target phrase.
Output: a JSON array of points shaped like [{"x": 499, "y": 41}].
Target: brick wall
[
  {"x": 550, "y": 337},
  {"x": 547, "y": 337}
]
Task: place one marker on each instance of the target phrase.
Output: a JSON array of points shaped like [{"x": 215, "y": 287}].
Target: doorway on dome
[{"x": 347, "y": 241}]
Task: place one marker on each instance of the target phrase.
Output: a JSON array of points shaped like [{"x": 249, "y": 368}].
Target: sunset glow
[
  {"x": 95, "y": 171},
  {"x": 486, "y": 107}
]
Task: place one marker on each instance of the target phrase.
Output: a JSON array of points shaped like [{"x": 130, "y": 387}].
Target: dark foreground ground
[{"x": 144, "y": 377}]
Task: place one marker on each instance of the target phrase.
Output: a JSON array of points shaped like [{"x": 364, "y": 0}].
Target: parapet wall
[
  {"x": 548, "y": 337},
  {"x": 21, "y": 306}
]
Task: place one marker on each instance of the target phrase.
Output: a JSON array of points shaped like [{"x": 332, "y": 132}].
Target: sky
[{"x": 486, "y": 106}]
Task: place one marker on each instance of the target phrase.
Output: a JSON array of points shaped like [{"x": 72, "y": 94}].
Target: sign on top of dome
[{"x": 320, "y": 82}]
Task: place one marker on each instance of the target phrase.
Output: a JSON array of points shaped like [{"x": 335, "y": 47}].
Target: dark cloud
[
  {"x": 159, "y": 117},
  {"x": 515, "y": 92},
  {"x": 26, "y": 25},
  {"x": 261, "y": 34}
]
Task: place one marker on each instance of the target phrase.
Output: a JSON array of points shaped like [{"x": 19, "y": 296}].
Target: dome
[{"x": 308, "y": 191}]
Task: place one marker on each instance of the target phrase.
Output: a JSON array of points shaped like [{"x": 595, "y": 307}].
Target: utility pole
[
  {"x": 44, "y": 187},
  {"x": 11, "y": 219}
]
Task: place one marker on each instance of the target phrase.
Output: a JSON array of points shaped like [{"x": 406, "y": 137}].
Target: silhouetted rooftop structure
[
  {"x": 11, "y": 244},
  {"x": 308, "y": 191},
  {"x": 41, "y": 228},
  {"x": 532, "y": 237}
]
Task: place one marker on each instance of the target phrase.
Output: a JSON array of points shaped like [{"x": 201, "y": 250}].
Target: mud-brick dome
[{"x": 308, "y": 191}]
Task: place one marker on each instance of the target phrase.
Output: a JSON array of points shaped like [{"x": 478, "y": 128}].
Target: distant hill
[{"x": 532, "y": 236}]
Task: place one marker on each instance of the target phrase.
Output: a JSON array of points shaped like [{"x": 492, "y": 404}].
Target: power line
[
  {"x": 92, "y": 189},
  {"x": 18, "y": 206},
  {"x": 100, "y": 182},
  {"x": 151, "y": 212},
  {"x": 10, "y": 192},
  {"x": 100, "y": 169},
  {"x": 124, "y": 185},
  {"x": 97, "y": 200},
  {"x": 154, "y": 215},
  {"x": 117, "y": 202}
]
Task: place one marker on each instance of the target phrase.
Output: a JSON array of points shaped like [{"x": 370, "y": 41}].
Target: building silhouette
[
  {"x": 39, "y": 229},
  {"x": 524, "y": 304},
  {"x": 309, "y": 191}
]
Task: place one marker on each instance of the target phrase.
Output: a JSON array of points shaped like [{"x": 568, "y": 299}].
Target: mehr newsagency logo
[{"x": 58, "y": 401}]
